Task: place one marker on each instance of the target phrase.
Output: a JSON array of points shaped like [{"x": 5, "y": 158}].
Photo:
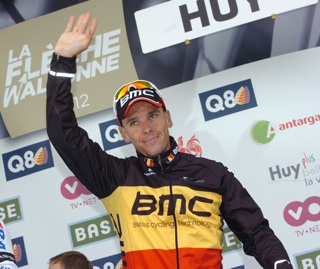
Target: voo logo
[
  {"x": 227, "y": 100},
  {"x": 71, "y": 188},
  {"x": 27, "y": 160},
  {"x": 297, "y": 213},
  {"x": 110, "y": 135}
]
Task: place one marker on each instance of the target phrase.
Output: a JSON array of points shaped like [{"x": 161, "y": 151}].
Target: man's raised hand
[{"x": 76, "y": 38}]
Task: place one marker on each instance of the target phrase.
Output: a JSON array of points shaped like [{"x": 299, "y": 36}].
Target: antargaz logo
[
  {"x": 27, "y": 160},
  {"x": 263, "y": 132},
  {"x": 227, "y": 100}
]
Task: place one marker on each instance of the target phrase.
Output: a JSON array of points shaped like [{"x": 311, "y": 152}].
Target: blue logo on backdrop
[
  {"x": 27, "y": 160},
  {"x": 110, "y": 135},
  {"x": 20, "y": 251},
  {"x": 226, "y": 100},
  {"x": 107, "y": 262},
  {"x": 238, "y": 267}
]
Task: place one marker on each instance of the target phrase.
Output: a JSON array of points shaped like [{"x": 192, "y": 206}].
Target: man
[
  {"x": 70, "y": 260},
  {"x": 166, "y": 206}
]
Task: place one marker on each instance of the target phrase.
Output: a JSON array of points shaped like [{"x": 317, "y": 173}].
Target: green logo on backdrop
[
  {"x": 263, "y": 132},
  {"x": 91, "y": 231},
  {"x": 309, "y": 260},
  {"x": 10, "y": 210},
  {"x": 230, "y": 241}
]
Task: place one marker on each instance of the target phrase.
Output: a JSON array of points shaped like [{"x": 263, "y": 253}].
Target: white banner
[{"x": 180, "y": 21}]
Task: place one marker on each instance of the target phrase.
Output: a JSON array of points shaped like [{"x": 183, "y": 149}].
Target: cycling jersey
[{"x": 168, "y": 211}]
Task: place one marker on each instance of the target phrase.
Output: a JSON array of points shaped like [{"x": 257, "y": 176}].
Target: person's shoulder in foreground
[
  {"x": 7, "y": 258},
  {"x": 70, "y": 260}
]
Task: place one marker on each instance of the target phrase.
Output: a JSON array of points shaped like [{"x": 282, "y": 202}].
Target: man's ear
[
  {"x": 168, "y": 118},
  {"x": 124, "y": 134}
]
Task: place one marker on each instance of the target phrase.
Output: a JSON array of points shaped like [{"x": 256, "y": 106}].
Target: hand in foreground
[{"x": 76, "y": 39}]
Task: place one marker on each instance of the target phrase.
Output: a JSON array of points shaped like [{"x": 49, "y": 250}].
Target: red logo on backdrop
[
  {"x": 193, "y": 146},
  {"x": 71, "y": 188},
  {"x": 297, "y": 213}
]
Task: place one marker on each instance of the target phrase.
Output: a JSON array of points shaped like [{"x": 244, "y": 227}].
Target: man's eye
[
  {"x": 132, "y": 123},
  {"x": 152, "y": 116}
]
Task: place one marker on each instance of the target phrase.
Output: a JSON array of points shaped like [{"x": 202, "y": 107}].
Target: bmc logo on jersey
[
  {"x": 27, "y": 160},
  {"x": 226, "y": 100},
  {"x": 110, "y": 135}
]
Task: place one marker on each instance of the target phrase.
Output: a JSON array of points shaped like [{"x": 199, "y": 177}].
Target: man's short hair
[{"x": 72, "y": 260}]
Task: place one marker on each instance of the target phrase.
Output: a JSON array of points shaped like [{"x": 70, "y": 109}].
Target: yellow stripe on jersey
[{"x": 143, "y": 217}]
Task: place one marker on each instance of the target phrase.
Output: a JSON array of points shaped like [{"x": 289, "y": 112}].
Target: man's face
[
  {"x": 55, "y": 266},
  {"x": 147, "y": 128}
]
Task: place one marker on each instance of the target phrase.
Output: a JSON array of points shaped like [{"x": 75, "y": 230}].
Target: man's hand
[{"x": 76, "y": 39}]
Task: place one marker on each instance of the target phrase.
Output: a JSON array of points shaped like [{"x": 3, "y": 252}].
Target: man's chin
[{"x": 153, "y": 154}]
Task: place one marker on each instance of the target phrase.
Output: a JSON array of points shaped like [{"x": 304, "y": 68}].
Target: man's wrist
[
  {"x": 282, "y": 264},
  {"x": 62, "y": 64},
  {"x": 58, "y": 55}
]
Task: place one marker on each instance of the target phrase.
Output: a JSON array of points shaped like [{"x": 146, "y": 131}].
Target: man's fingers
[
  {"x": 70, "y": 24},
  {"x": 90, "y": 31},
  {"x": 82, "y": 25},
  {"x": 77, "y": 26}
]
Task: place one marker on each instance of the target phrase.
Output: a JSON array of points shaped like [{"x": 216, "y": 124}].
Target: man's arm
[
  {"x": 245, "y": 218},
  {"x": 85, "y": 158}
]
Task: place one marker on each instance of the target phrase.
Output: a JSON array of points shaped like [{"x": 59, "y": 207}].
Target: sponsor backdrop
[{"x": 245, "y": 93}]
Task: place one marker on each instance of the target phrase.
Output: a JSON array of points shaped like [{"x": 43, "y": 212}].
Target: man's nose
[{"x": 146, "y": 127}]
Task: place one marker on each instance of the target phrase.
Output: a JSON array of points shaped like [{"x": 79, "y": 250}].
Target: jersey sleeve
[
  {"x": 245, "y": 218},
  {"x": 85, "y": 158}
]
